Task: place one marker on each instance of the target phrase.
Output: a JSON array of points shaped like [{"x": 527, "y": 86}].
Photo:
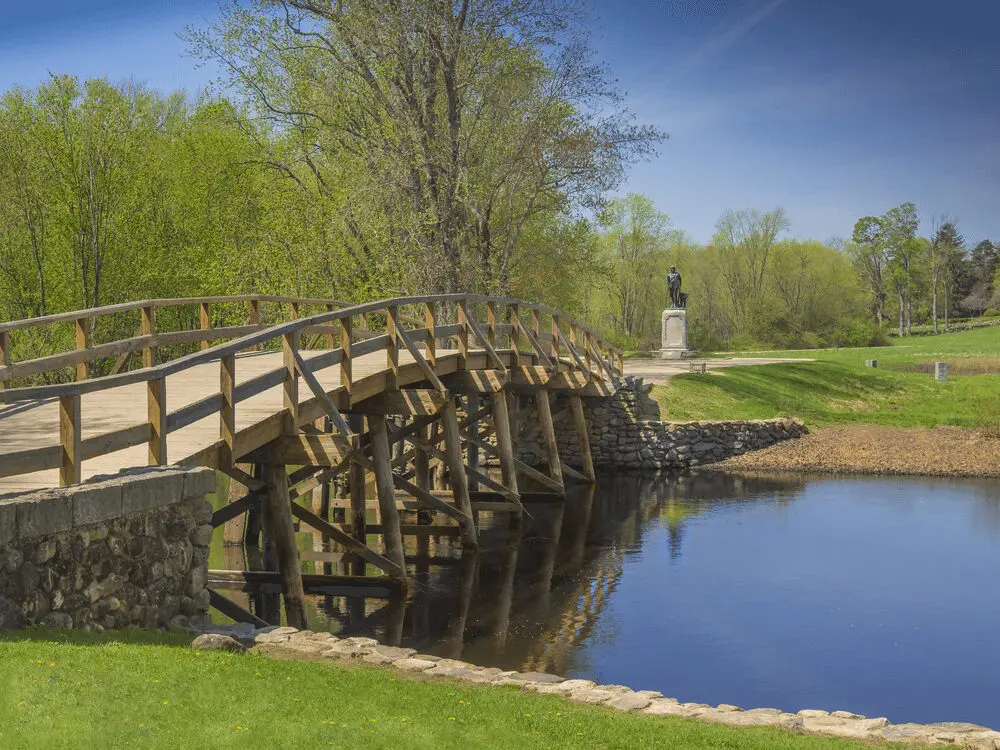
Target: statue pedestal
[{"x": 674, "y": 340}]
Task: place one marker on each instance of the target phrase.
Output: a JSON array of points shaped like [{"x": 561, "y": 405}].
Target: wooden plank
[
  {"x": 463, "y": 333},
  {"x": 5, "y": 357},
  {"x": 336, "y": 585},
  {"x": 81, "y": 346},
  {"x": 430, "y": 322},
  {"x": 392, "y": 352},
  {"x": 346, "y": 540},
  {"x": 156, "y": 407},
  {"x": 281, "y": 532},
  {"x": 238, "y": 474},
  {"x": 290, "y": 384},
  {"x": 346, "y": 342},
  {"x": 69, "y": 440},
  {"x": 422, "y": 363},
  {"x": 111, "y": 442},
  {"x": 505, "y": 445},
  {"x": 234, "y": 611},
  {"x": 231, "y": 510},
  {"x": 314, "y": 450},
  {"x": 385, "y": 490},
  {"x": 475, "y": 381},
  {"x": 491, "y": 353}
]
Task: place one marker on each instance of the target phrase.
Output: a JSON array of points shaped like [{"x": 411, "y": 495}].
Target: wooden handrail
[{"x": 71, "y": 450}]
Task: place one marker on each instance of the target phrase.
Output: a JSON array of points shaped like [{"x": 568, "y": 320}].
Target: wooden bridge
[{"x": 388, "y": 392}]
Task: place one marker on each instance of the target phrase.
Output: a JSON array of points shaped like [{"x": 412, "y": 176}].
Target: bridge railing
[{"x": 381, "y": 326}]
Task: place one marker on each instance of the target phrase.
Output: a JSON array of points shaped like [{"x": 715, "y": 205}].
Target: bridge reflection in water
[{"x": 533, "y": 593}]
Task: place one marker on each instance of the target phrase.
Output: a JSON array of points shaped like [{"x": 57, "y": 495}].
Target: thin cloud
[{"x": 723, "y": 38}]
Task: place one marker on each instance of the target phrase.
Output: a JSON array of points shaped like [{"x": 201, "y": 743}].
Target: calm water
[{"x": 878, "y": 596}]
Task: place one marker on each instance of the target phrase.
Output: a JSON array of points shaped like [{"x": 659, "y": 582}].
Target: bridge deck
[{"x": 34, "y": 424}]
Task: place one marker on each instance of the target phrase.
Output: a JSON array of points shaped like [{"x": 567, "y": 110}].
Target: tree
[
  {"x": 945, "y": 243},
  {"x": 867, "y": 251},
  {"x": 636, "y": 232},
  {"x": 744, "y": 241},
  {"x": 441, "y": 129},
  {"x": 887, "y": 245},
  {"x": 978, "y": 300},
  {"x": 984, "y": 260}
]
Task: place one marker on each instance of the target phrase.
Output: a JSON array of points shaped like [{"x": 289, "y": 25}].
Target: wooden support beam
[
  {"x": 515, "y": 331},
  {"x": 530, "y": 377},
  {"x": 206, "y": 323},
  {"x": 422, "y": 363},
  {"x": 69, "y": 440},
  {"x": 505, "y": 444},
  {"x": 459, "y": 480},
  {"x": 576, "y": 406},
  {"x": 227, "y": 415},
  {"x": 229, "y": 511},
  {"x": 241, "y": 476},
  {"x": 491, "y": 323},
  {"x": 380, "y": 587},
  {"x": 321, "y": 395},
  {"x": 544, "y": 409},
  {"x": 346, "y": 374},
  {"x": 281, "y": 530},
  {"x": 554, "y": 344},
  {"x": 254, "y": 319},
  {"x": 356, "y": 487},
  {"x": 386, "y": 490},
  {"x": 156, "y": 407},
  {"x": 355, "y": 544},
  {"x": 331, "y": 341},
  {"x": 81, "y": 343},
  {"x": 234, "y": 611},
  {"x": 408, "y": 402},
  {"x": 463, "y": 335}
]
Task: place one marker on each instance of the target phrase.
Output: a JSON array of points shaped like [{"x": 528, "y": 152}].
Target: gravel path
[{"x": 869, "y": 449}]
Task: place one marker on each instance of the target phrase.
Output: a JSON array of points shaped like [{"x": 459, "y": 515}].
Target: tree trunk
[
  {"x": 934, "y": 296},
  {"x": 902, "y": 310}
]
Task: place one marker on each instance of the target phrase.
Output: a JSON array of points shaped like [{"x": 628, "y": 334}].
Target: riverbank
[
  {"x": 140, "y": 689},
  {"x": 877, "y": 449}
]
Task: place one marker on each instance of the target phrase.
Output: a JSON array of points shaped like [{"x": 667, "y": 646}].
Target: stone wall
[
  {"x": 626, "y": 433},
  {"x": 131, "y": 549}
]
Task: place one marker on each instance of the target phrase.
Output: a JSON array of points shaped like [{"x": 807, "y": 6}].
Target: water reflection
[{"x": 871, "y": 595}]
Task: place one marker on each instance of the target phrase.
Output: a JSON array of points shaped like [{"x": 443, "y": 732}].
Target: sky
[{"x": 830, "y": 109}]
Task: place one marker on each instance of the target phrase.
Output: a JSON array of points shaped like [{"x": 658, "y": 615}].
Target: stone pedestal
[{"x": 674, "y": 337}]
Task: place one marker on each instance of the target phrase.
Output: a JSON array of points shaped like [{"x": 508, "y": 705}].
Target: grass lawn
[
  {"x": 839, "y": 389},
  {"x": 78, "y": 690}
]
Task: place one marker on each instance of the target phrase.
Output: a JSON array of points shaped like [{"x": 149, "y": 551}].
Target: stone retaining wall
[
  {"x": 289, "y": 642},
  {"x": 626, "y": 433},
  {"x": 131, "y": 549}
]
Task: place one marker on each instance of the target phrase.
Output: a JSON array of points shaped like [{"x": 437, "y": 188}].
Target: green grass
[
  {"x": 839, "y": 389},
  {"x": 76, "y": 690}
]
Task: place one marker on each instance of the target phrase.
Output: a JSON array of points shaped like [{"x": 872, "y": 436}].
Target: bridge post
[
  {"x": 69, "y": 438},
  {"x": 290, "y": 387},
  {"x": 156, "y": 406},
  {"x": 515, "y": 334},
  {"x": 147, "y": 327},
  {"x": 491, "y": 323},
  {"x": 356, "y": 479},
  {"x": 463, "y": 334},
  {"x": 346, "y": 374},
  {"x": 471, "y": 449},
  {"x": 4, "y": 356},
  {"x": 456, "y": 469},
  {"x": 430, "y": 322},
  {"x": 227, "y": 415},
  {"x": 576, "y": 406},
  {"x": 255, "y": 319},
  {"x": 588, "y": 342},
  {"x": 389, "y": 516},
  {"x": 81, "y": 344},
  {"x": 206, "y": 323},
  {"x": 555, "y": 348},
  {"x": 505, "y": 445},
  {"x": 280, "y": 529},
  {"x": 544, "y": 408},
  {"x": 330, "y": 339},
  {"x": 392, "y": 353}
]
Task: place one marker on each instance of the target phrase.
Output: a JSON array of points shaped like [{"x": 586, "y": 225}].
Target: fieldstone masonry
[
  {"x": 130, "y": 549},
  {"x": 626, "y": 433}
]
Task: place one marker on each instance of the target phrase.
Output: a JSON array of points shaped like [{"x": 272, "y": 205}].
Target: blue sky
[{"x": 832, "y": 109}]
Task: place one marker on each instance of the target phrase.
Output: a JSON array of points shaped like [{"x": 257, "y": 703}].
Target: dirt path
[
  {"x": 868, "y": 449},
  {"x": 659, "y": 370}
]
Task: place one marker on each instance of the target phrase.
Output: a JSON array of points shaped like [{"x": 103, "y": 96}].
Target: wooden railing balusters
[
  {"x": 147, "y": 327},
  {"x": 392, "y": 353},
  {"x": 69, "y": 439},
  {"x": 290, "y": 385},
  {"x": 227, "y": 414},
  {"x": 81, "y": 343},
  {"x": 346, "y": 374},
  {"x": 491, "y": 323},
  {"x": 255, "y": 320},
  {"x": 206, "y": 323},
  {"x": 554, "y": 347},
  {"x": 463, "y": 334},
  {"x": 515, "y": 332},
  {"x": 430, "y": 321},
  {"x": 4, "y": 356},
  {"x": 156, "y": 400},
  {"x": 331, "y": 342}
]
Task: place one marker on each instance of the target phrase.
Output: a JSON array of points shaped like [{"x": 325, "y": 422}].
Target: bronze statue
[{"x": 678, "y": 299}]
